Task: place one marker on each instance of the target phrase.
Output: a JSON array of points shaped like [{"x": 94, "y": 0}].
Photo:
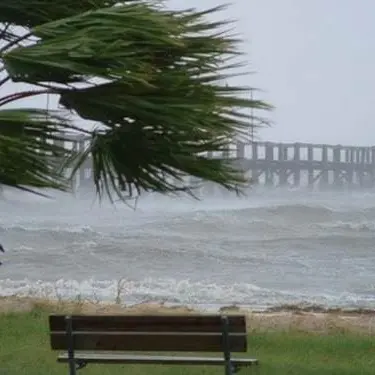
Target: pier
[
  {"x": 309, "y": 165},
  {"x": 314, "y": 166}
]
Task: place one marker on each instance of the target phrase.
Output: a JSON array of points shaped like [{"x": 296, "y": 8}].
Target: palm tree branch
[{"x": 150, "y": 79}]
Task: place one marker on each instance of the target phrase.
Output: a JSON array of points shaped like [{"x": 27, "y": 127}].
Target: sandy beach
[{"x": 306, "y": 319}]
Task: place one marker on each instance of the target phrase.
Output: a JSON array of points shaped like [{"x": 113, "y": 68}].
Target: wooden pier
[
  {"x": 314, "y": 166},
  {"x": 310, "y": 165}
]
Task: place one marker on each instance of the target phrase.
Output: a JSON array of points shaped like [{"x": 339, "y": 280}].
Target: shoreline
[{"x": 314, "y": 319}]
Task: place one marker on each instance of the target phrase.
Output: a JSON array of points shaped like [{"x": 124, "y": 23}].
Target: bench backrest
[{"x": 193, "y": 333}]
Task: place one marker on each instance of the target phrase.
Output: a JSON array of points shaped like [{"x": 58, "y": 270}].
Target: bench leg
[
  {"x": 229, "y": 368},
  {"x": 70, "y": 339}
]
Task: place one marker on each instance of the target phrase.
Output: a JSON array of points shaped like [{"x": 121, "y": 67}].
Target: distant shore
[{"x": 305, "y": 318}]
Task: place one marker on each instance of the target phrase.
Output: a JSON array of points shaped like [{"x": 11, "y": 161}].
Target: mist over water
[{"x": 268, "y": 248}]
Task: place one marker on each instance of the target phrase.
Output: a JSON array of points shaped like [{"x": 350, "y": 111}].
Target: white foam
[
  {"x": 174, "y": 292},
  {"x": 185, "y": 292}
]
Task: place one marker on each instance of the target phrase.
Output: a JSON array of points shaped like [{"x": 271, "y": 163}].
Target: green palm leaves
[{"x": 150, "y": 79}]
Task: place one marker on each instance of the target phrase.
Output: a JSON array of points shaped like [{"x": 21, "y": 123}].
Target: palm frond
[
  {"x": 30, "y": 153},
  {"x": 148, "y": 77},
  {"x": 31, "y": 13}
]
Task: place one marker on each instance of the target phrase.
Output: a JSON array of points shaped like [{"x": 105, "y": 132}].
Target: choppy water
[{"x": 267, "y": 249}]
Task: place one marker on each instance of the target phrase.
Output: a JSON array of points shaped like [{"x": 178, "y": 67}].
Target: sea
[{"x": 266, "y": 249}]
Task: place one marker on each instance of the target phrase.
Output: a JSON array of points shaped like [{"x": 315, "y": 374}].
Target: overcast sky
[{"x": 315, "y": 62}]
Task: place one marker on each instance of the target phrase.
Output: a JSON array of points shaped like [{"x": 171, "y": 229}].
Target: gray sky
[{"x": 314, "y": 61}]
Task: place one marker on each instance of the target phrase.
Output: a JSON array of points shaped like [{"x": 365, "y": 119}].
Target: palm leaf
[
  {"x": 30, "y": 153},
  {"x": 149, "y": 78},
  {"x": 31, "y": 13}
]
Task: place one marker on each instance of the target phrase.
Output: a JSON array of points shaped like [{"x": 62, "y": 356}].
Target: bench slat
[
  {"x": 149, "y": 323},
  {"x": 118, "y": 358},
  {"x": 143, "y": 341}
]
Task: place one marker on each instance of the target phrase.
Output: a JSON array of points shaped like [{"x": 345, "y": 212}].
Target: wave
[
  {"x": 63, "y": 229},
  {"x": 161, "y": 290},
  {"x": 288, "y": 220},
  {"x": 257, "y": 218},
  {"x": 292, "y": 212},
  {"x": 275, "y": 220},
  {"x": 299, "y": 210},
  {"x": 354, "y": 227},
  {"x": 267, "y": 222},
  {"x": 75, "y": 229},
  {"x": 171, "y": 291}
]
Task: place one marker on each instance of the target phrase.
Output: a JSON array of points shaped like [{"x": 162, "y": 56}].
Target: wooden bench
[{"x": 104, "y": 339}]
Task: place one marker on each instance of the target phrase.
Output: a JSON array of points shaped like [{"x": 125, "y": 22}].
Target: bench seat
[{"x": 118, "y": 358}]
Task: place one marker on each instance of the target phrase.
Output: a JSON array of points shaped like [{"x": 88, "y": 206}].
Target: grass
[{"x": 24, "y": 349}]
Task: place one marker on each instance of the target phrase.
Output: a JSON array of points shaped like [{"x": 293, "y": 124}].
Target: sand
[{"x": 281, "y": 319}]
